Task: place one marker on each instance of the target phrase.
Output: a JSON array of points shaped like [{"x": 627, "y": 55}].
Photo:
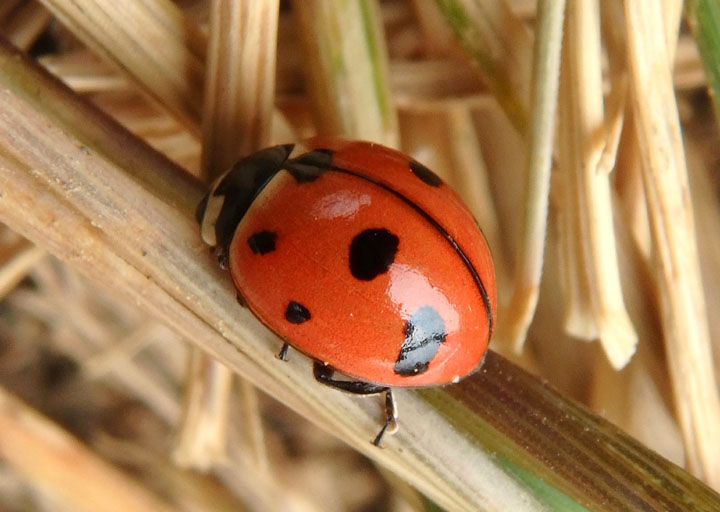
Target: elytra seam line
[{"x": 439, "y": 228}]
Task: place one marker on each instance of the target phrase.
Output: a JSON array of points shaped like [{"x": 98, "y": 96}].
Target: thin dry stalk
[
  {"x": 189, "y": 491},
  {"x": 636, "y": 399},
  {"x": 617, "y": 97},
  {"x": 84, "y": 72},
  {"x": 14, "y": 267},
  {"x": 672, "y": 14},
  {"x": 159, "y": 130},
  {"x": 674, "y": 241},
  {"x": 254, "y": 429},
  {"x": 115, "y": 361},
  {"x": 70, "y": 309},
  {"x": 237, "y": 117},
  {"x": 202, "y": 433},
  {"x": 7, "y": 7},
  {"x": 239, "y": 82},
  {"x": 129, "y": 34},
  {"x": 707, "y": 217},
  {"x": 25, "y": 24},
  {"x": 594, "y": 301},
  {"x": 628, "y": 182},
  {"x": 513, "y": 325},
  {"x": 344, "y": 52},
  {"x": 498, "y": 42},
  {"x": 470, "y": 176},
  {"x": 438, "y": 39},
  {"x": 43, "y": 452}
]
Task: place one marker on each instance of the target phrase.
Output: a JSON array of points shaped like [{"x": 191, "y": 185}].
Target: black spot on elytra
[
  {"x": 424, "y": 332},
  {"x": 296, "y": 313},
  {"x": 372, "y": 252},
  {"x": 262, "y": 242},
  {"x": 426, "y": 175}
]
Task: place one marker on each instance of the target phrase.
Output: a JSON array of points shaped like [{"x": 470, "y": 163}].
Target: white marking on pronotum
[{"x": 213, "y": 207}]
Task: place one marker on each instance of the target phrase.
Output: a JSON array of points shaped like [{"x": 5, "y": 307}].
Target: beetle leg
[
  {"x": 323, "y": 374},
  {"x": 391, "y": 416},
  {"x": 282, "y": 355},
  {"x": 222, "y": 257}
]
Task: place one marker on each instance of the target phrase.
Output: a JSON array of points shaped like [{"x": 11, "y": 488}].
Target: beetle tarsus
[
  {"x": 391, "y": 425},
  {"x": 222, "y": 257},
  {"x": 282, "y": 355}
]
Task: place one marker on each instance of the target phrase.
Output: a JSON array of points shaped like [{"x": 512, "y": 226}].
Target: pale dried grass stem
[
  {"x": 519, "y": 312},
  {"x": 438, "y": 39},
  {"x": 129, "y": 34},
  {"x": 470, "y": 176},
  {"x": 70, "y": 309},
  {"x": 202, "y": 435},
  {"x": 707, "y": 217},
  {"x": 237, "y": 119},
  {"x": 629, "y": 175},
  {"x": 121, "y": 351},
  {"x": 23, "y": 25},
  {"x": 16, "y": 265},
  {"x": 614, "y": 121},
  {"x": 42, "y": 452},
  {"x": 115, "y": 362},
  {"x": 253, "y": 428},
  {"x": 499, "y": 43},
  {"x": 683, "y": 311},
  {"x": 84, "y": 72},
  {"x": 239, "y": 82},
  {"x": 594, "y": 302},
  {"x": 346, "y": 69},
  {"x": 672, "y": 15}
]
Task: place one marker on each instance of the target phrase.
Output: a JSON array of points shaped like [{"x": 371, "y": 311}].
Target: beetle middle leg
[
  {"x": 282, "y": 355},
  {"x": 324, "y": 374}
]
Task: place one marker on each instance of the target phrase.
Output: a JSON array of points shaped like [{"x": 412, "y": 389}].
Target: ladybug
[{"x": 361, "y": 258}]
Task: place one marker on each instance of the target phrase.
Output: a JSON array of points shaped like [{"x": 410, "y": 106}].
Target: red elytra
[{"x": 359, "y": 257}]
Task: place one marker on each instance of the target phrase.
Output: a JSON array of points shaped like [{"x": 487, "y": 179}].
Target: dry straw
[{"x": 559, "y": 125}]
